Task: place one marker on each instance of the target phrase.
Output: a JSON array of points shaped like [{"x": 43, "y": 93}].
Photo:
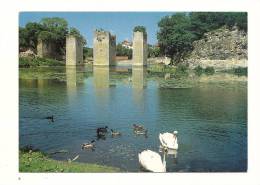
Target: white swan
[
  {"x": 151, "y": 161},
  {"x": 169, "y": 140}
]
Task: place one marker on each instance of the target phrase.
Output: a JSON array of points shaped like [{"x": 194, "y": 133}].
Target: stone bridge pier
[
  {"x": 139, "y": 49},
  {"x": 74, "y": 51},
  {"x": 104, "y": 48}
]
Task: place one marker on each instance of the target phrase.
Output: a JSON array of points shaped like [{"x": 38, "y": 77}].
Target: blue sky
[{"x": 119, "y": 23}]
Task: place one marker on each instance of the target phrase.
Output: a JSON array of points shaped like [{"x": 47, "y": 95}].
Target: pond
[{"x": 211, "y": 118}]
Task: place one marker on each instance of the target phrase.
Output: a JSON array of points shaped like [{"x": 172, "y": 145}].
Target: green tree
[
  {"x": 140, "y": 29},
  {"x": 58, "y": 29},
  {"x": 123, "y": 51},
  {"x": 153, "y": 51},
  {"x": 28, "y": 36},
  {"x": 175, "y": 36},
  {"x": 87, "y": 52},
  {"x": 207, "y": 21},
  {"x": 75, "y": 32},
  {"x": 49, "y": 29},
  {"x": 177, "y": 32}
]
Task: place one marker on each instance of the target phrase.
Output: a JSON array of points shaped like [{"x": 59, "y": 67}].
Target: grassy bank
[
  {"x": 26, "y": 62},
  {"x": 35, "y": 161},
  {"x": 178, "y": 71}
]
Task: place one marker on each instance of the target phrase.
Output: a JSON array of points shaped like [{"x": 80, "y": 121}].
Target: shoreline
[{"x": 36, "y": 161}]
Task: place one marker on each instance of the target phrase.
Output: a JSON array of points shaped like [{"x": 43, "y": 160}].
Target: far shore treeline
[{"x": 175, "y": 35}]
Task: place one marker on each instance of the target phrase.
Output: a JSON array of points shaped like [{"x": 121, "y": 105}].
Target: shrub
[
  {"x": 181, "y": 70},
  {"x": 198, "y": 70},
  {"x": 240, "y": 71},
  {"x": 209, "y": 70}
]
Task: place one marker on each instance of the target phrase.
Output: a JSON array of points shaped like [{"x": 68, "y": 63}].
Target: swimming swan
[
  {"x": 151, "y": 161},
  {"x": 169, "y": 140}
]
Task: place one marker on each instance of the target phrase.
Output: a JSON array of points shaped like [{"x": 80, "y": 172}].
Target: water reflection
[
  {"x": 71, "y": 82},
  {"x": 169, "y": 153},
  {"x": 101, "y": 84},
  {"x": 206, "y": 144},
  {"x": 139, "y": 77},
  {"x": 138, "y": 84}
]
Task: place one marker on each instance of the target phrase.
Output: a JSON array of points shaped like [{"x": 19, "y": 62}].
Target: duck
[
  {"x": 141, "y": 132},
  {"x": 151, "y": 161},
  {"x": 102, "y": 130},
  {"x": 115, "y": 133},
  {"x": 138, "y": 127},
  {"x": 169, "y": 140},
  {"x": 89, "y": 145},
  {"x": 51, "y": 118}
]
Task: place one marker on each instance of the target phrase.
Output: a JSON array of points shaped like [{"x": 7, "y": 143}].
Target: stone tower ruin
[
  {"x": 46, "y": 49},
  {"x": 139, "y": 49},
  {"x": 74, "y": 51},
  {"x": 104, "y": 48}
]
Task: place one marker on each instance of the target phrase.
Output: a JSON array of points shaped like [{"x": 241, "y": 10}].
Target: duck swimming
[
  {"x": 115, "y": 133},
  {"x": 138, "y": 127},
  {"x": 51, "y": 118},
  {"x": 141, "y": 132},
  {"x": 90, "y": 145},
  {"x": 102, "y": 130}
]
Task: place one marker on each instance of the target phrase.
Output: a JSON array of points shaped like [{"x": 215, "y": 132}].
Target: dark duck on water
[
  {"x": 50, "y": 118},
  {"x": 102, "y": 130}
]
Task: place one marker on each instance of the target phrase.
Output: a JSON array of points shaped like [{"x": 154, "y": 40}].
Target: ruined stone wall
[
  {"x": 104, "y": 48},
  {"x": 222, "y": 49},
  {"x": 46, "y": 49},
  {"x": 112, "y": 49},
  {"x": 139, "y": 49},
  {"x": 74, "y": 51}
]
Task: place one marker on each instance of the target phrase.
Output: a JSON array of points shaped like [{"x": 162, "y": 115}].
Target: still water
[{"x": 211, "y": 118}]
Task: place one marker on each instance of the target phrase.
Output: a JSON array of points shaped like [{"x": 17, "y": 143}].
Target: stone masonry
[
  {"x": 74, "y": 51},
  {"x": 139, "y": 49},
  {"x": 104, "y": 48},
  {"x": 46, "y": 49}
]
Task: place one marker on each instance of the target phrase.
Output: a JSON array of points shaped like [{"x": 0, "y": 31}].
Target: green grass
[
  {"x": 36, "y": 161},
  {"x": 26, "y": 62}
]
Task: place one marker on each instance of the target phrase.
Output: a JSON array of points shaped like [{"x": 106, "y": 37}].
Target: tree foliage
[
  {"x": 140, "y": 29},
  {"x": 76, "y": 33},
  {"x": 87, "y": 52},
  {"x": 178, "y": 31},
  {"x": 28, "y": 35},
  {"x": 123, "y": 51},
  {"x": 153, "y": 51},
  {"x": 176, "y": 36},
  {"x": 49, "y": 29}
]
